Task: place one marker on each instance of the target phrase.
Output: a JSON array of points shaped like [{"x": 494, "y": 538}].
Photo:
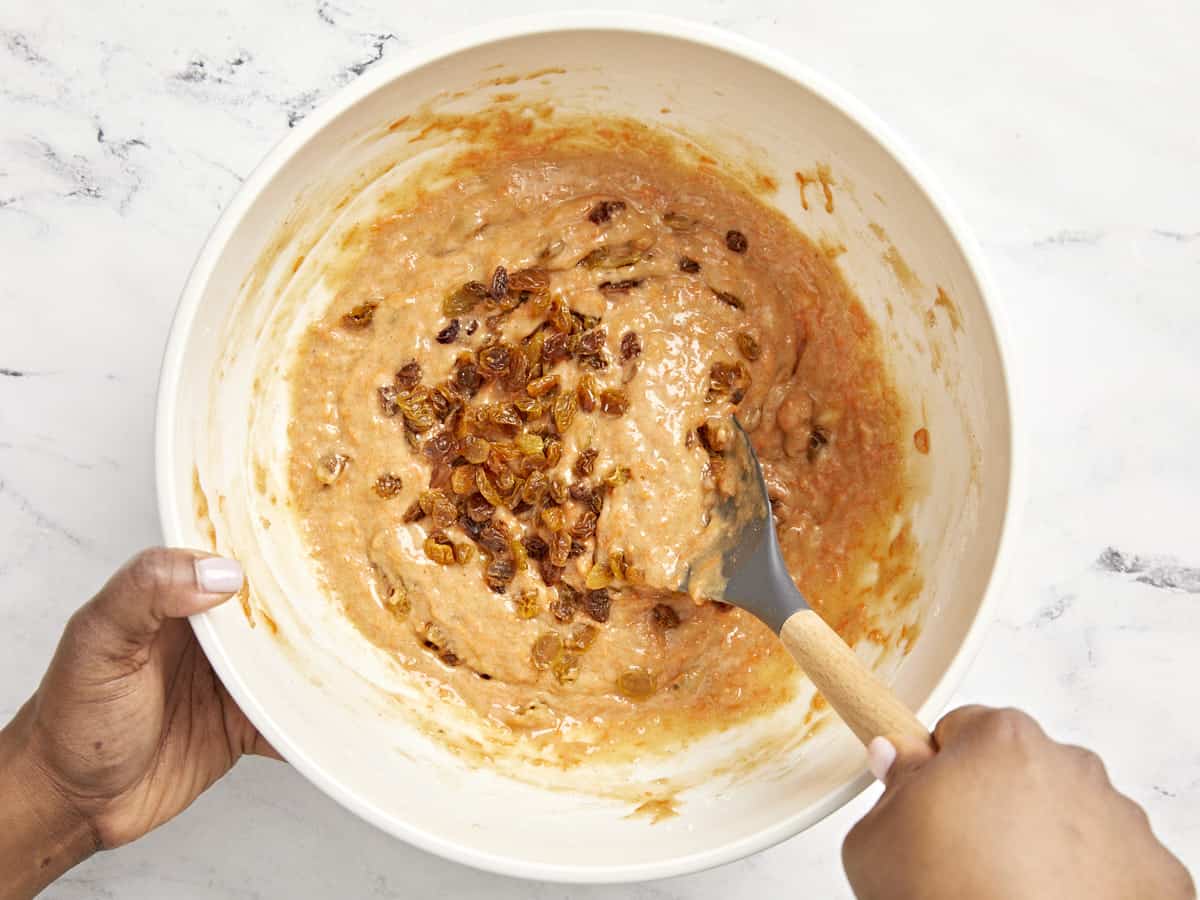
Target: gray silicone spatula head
[
  {"x": 756, "y": 578},
  {"x": 753, "y": 576}
]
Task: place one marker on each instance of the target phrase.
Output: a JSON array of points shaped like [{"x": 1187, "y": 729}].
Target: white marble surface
[{"x": 1066, "y": 132}]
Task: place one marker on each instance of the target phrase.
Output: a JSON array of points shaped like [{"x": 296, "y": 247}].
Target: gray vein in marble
[
  {"x": 326, "y": 11},
  {"x": 119, "y": 149},
  {"x": 40, "y": 519},
  {"x": 16, "y": 373},
  {"x": 18, "y": 45},
  {"x": 38, "y": 451},
  {"x": 1182, "y": 237},
  {"x": 1155, "y": 571},
  {"x": 378, "y": 42},
  {"x": 1070, "y": 236},
  {"x": 199, "y": 69},
  {"x": 302, "y": 104},
  {"x": 221, "y": 167},
  {"x": 84, "y": 174},
  {"x": 76, "y": 170},
  {"x": 1054, "y": 610},
  {"x": 201, "y": 72}
]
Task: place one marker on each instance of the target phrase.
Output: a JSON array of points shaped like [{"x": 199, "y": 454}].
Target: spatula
[{"x": 756, "y": 579}]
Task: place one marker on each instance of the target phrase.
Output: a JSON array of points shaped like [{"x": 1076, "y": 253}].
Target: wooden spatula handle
[{"x": 864, "y": 702}]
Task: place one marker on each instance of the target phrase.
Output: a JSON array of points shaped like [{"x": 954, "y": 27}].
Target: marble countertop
[{"x": 1068, "y": 139}]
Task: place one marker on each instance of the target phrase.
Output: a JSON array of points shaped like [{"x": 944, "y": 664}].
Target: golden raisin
[
  {"x": 585, "y": 463},
  {"x": 614, "y": 401},
  {"x": 463, "y": 553},
  {"x": 409, "y": 376},
  {"x": 679, "y": 222},
  {"x": 462, "y": 480},
  {"x": 600, "y": 576},
  {"x": 584, "y": 526},
  {"x": 439, "y": 549},
  {"x": 361, "y": 315},
  {"x": 519, "y": 556},
  {"x": 505, "y": 480},
  {"x": 478, "y": 508},
  {"x": 517, "y": 375},
  {"x": 535, "y": 487},
  {"x": 388, "y": 486},
  {"x": 399, "y": 602},
  {"x": 435, "y": 636},
  {"x": 729, "y": 299},
  {"x": 529, "y": 407},
  {"x": 582, "y": 637},
  {"x": 736, "y": 241},
  {"x": 536, "y": 546},
  {"x": 529, "y": 444},
  {"x": 664, "y": 616},
  {"x": 475, "y": 449},
  {"x": 495, "y": 359},
  {"x": 585, "y": 393},
  {"x": 716, "y": 435},
  {"x": 748, "y": 345},
  {"x": 506, "y": 415},
  {"x": 552, "y": 518},
  {"x": 419, "y": 416},
  {"x": 616, "y": 476},
  {"x": 441, "y": 508},
  {"x": 330, "y": 466},
  {"x": 484, "y": 485},
  {"x": 499, "y": 573},
  {"x": 499, "y": 286},
  {"x": 539, "y": 387},
  {"x": 635, "y": 684},
  {"x": 631, "y": 345},
  {"x": 566, "y": 668},
  {"x": 562, "y": 607},
  {"x": 551, "y": 574},
  {"x": 560, "y": 320},
  {"x": 603, "y": 211},
  {"x": 564, "y": 411},
  {"x": 459, "y": 302},
  {"x": 556, "y": 346},
  {"x": 546, "y": 649},
  {"x": 527, "y": 605},
  {"x": 560, "y": 548},
  {"x": 533, "y": 281},
  {"x": 598, "y": 604}
]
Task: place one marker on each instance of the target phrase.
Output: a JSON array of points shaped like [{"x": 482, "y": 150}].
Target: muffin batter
[{"x": 508, "y": 434}]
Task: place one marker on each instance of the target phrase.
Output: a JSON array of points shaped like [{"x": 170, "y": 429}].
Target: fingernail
[
  {"x": 217, "y": 575},
  {"x": 880, "y": 756}
]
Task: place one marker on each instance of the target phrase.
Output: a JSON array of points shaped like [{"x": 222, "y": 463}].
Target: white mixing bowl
[{"x": 328, "y": 700}]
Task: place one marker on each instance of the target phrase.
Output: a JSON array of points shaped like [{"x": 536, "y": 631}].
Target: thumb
[
  {"x": 894, "y": 759},
  {"x": 160, "y": 584}
]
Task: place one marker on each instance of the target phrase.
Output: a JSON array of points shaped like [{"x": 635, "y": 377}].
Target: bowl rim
[{"x": 707, "y": 36}]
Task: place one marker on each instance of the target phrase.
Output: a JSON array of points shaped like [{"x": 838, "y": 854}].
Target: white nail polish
[
  {"x": 217, "y": 575},
  {"x": 880, "y": 756}
]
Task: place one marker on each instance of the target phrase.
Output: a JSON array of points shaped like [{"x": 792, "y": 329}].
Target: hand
[
  {"x": 129, "y": 725},
  {"x": 1003, "y": 812}
]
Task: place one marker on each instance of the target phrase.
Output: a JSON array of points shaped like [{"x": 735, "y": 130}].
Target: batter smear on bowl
[{"x": 508, "y": 432}]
